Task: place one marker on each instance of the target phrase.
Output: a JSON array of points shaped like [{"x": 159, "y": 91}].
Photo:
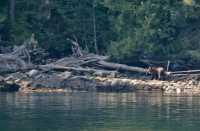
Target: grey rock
[{"x": 32, "y": 73}]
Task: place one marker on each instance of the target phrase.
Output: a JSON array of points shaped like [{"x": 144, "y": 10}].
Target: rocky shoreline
[{"x": 36, "y": 81}]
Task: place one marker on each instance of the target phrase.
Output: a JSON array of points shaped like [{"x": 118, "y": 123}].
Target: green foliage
[
  {"x": 124, "y": 50},
  {"x": 150, "y": 27},
  {"x": 54, "y": 21},
  {"x": 127, "y": 30}
]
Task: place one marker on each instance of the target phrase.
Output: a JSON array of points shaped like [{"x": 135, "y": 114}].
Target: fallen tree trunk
[
  {"x": 79, "y": 70},
  {"x": 186, "y": 75},
  {"x": 121, "y": 67},
  {"x": 188, "y": 71},
  {"x": 80, "y": 61}
]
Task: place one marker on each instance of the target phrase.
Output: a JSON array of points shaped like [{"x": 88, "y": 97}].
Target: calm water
[{"x": 98, "y": 112}]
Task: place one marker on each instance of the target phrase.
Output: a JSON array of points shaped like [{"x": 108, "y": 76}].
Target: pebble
[{"x": 178, "y": 90}]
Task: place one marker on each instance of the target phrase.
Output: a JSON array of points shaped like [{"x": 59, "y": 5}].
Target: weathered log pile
[
  {"x": 70, "y": 72},
  {"x": 10, "y": 63},
  {"x": 88, "y": 72}
]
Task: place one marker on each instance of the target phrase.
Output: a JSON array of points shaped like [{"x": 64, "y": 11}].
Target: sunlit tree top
[{"x": 189, "y": 2}]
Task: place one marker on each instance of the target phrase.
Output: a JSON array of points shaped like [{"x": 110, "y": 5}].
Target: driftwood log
[
  {"x": 121, "y": 67},
  {"x": 78, "y": 70}
]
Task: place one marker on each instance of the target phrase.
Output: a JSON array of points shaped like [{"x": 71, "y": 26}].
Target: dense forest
[{"x": 127, "y": 30}]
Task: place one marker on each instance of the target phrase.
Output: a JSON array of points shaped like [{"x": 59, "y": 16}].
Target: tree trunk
[
  {"x": 12, "y": 11},
  {"x": 94, "y": 29}
]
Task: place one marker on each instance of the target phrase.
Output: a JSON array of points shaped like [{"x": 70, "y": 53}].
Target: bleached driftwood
[
  {"x": 11, "y": 63},
  {"x": 121, "y": 67}
]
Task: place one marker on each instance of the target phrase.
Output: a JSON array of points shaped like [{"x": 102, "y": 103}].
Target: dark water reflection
[{"x": 98, "y": 112}]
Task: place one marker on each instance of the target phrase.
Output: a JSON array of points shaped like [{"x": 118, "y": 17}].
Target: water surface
[{"x": 82, "y": 111}]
